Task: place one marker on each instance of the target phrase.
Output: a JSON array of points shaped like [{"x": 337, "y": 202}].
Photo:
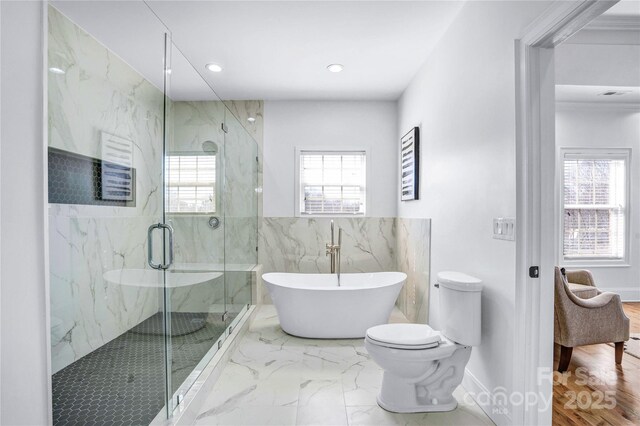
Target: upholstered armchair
[
  {"x": 581, "y": 283},
  {"x": 578, "y": 321}
]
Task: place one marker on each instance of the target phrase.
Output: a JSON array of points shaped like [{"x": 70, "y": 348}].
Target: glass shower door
[
  {"x": 211, "y": 207},
  {"x": 194, "y": 207},
  {"x": 241, "y": 208}
]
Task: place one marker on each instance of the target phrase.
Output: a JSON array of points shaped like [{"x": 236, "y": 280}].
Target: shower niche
[{"x": 142, "y": 155}]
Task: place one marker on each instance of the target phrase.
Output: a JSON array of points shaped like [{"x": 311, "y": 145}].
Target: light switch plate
[{"x": 504, "y": 228}]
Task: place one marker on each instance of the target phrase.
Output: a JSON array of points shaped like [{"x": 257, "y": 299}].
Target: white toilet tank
[{"x": 460, "y": 307}]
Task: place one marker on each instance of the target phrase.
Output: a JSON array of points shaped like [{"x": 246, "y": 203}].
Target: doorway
[{"x": 538, "y": 194}]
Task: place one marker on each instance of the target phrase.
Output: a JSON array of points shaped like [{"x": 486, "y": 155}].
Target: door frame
[{"x": 536, "y": 203}]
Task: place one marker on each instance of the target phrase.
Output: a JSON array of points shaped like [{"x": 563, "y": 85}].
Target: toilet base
[
  {"x": 417, "y": 408},
  {"x": 430, "y": 392}
]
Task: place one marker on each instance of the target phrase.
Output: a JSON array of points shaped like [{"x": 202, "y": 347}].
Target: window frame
[
  {"x": 216, "y": 193},
  {"x": 336, "y": 150},
  {"x": 601, "y": 154}
]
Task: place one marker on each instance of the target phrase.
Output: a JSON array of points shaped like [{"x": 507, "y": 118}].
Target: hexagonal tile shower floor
[{"x": 122, "y": 382}]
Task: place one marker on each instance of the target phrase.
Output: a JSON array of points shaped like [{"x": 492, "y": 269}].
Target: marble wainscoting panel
[
  {"x": 289, "y": 244},
  {"x": 88, "y": 311},
  {"x": 413, "y": 245}
]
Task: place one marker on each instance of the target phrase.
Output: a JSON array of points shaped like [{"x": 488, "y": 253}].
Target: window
[
  {"x": 594, "y": 192},
  {"x": 191, "y": 183},
  {"x": 332, "y": 182}
]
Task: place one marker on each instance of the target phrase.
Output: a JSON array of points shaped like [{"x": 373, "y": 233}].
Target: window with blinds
[
  {"x": 332, "y": 182},
  {"x": 595, "y": 189},
  {"x": 191, "y": 183}
]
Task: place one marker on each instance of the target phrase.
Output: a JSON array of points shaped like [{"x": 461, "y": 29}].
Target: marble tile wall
[
  {"x": 240, "y": 195},
  {"x": 413, "y": 254},
  {"x": 288, "y": 244},
  {"x": 235, "y": 240},
  {"x": 98, "y": 93},
  {"x": 191, "y": 124}
]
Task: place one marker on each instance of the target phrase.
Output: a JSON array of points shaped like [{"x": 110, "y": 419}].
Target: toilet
[{"x": 422, "y": 366}]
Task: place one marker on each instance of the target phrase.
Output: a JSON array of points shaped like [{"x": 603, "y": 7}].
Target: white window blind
[
  {"x": 332, "y": 182},
  {"x": 191, "y": 183},
  {"x": 595, "y": 206}
]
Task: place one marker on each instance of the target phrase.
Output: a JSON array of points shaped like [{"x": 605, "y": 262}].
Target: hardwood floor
[{"x": 596, "y": 391}]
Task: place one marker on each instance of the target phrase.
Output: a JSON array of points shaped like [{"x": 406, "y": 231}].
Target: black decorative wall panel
[{"x": 77, "y": 179}]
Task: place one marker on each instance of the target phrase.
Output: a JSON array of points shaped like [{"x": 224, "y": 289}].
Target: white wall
[
  {"x": 609, "y": 127},
  {"x": 339, "y": 124},
  {"x": 24, "y": 363},
  {"x": 463, "y": 99}
]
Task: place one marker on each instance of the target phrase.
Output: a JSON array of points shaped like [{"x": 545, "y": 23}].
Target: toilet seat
[{"x": 404, "y": 336}]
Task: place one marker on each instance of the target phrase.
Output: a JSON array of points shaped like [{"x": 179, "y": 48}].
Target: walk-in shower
[{"x": 143, "y": 158}]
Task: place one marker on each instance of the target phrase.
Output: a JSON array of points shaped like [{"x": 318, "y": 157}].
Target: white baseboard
[
  {"x": 627, "y": 294},
  {"x": 475, "y": 388}
]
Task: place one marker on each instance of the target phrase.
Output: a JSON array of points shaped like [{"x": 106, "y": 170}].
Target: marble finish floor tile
[{"x": 274, "y": 378}]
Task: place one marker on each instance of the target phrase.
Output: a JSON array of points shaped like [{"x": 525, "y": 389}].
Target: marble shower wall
[
  {"x": 194, "y": 122},
  {"x": 233, "y": 244},
  {"x": 413, "y": 254},
  {"x": 255, "y": 109},
  {"x": 99, "y": 93}
]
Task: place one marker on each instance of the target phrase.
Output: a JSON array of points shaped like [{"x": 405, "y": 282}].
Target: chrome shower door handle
[
  {"x": 170, "y": 229},
  {"x": 150, "y": 261},
  {"x": 150, "y": 246}
]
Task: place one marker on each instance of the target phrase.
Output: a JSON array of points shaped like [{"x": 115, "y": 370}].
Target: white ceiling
[
  {"x": 592, "y": 58},
  {"x": 280, "y": 49},
  {"x": 625, "y": 8},
  {"x": 274, "y": 49}
]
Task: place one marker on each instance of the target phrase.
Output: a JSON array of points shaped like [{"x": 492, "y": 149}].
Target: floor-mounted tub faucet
[{"x": 333, "y": 250}]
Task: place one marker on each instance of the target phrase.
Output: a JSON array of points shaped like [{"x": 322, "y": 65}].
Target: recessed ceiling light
[
  {"x": 214, "y": 67},
  {"x": 55, "y": 70},
  {"x": 251, "y": 119},
  {"x": 335, "y": 67}
]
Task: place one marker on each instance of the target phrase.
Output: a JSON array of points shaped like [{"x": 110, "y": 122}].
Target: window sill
[
  {"x": 329, "y": 216},
  {"x": 594, "y": 264},
  {"x": 190, "y": 214}
]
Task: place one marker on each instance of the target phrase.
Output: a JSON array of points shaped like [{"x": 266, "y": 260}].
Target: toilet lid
[{"x": 405, "y": 336}]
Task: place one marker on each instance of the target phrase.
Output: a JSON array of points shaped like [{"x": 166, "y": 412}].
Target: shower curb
[{"x": 187, "y": 411}]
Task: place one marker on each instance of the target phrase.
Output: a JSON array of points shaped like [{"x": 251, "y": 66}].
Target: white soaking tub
[{"x": 314, "y": 306}]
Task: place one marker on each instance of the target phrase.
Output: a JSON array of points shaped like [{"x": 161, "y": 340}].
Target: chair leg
[
  {"x": 619, "y": 352},
  {"x": 565, "y": 358}
]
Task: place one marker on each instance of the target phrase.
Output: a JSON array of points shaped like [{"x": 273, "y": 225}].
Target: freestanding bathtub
[{"x": 314, "y": 306}]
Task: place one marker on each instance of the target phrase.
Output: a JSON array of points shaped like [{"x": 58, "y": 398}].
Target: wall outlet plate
[{"x": 504, "y": 228}]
